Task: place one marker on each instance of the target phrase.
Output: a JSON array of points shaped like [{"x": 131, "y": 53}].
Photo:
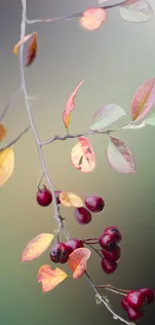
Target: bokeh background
[{"x": 113, "y": 61}]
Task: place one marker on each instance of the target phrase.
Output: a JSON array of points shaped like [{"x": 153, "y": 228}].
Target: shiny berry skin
[
  {"x": 82, "y": 215},
  {"x": 73, "y": 244},
  {"x": 59, "y": 253},
  {"x": 44, "y": 197},
  {"x": 134, "y": 314},
  {"x": 108, "y": 266},
  {"x": 135, "y": 299},
  {"x": 112, "y": 255},
  {"x": 94, "y": 203},
  {"x": 57, "y": 193},
  {"x": 107, "y": 241},
  {"x": 148, "y": 295},
  {"x": 113, "y": 230},
  {"x": 124, "y": 303}
]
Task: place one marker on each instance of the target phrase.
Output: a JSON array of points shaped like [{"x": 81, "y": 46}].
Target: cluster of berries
[
  {"x": 94, "y": 204},
  {"x": 61, "y": 251},
  {"x": 134, "y": 301}
]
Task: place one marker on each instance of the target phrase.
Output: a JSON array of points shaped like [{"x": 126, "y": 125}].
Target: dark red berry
[
  {"x": 73, "y": 244},
  {"x": 134, "y": 314},
  {"x": 107, "y": 241},
  {"x": 135, "y": 299},
  {"x": 124, "y": 303},
  {"x": 113, "y": 255},
  {"x": 113, "y": 230},
  {"x": 57, "y": 193},
  {"x": 108, "y": 266},
  {"x": 94, "y": 203},
  {"x": 59, "y": 253},
  {"x": 82, "y": 215},
  {"x": 148, "y": 295},
  {"x": 44, "y": 197}
]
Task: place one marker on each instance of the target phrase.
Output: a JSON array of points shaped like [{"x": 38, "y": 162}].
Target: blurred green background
[{"x": 113, "y": 61}]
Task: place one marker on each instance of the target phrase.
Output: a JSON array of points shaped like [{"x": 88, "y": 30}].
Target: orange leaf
[
  {"x": 21, "y": 42},
  {"x": 93, "y": 18},
  {"x": 32, "y": 50},
  {"x": 70, "y": 105},
  {"x": 69, "y": 199},
  {"x": 83, "y": 156},
  {"x": 7, "y": 164},
  {"x": 3, "y": 132},
  {"x": 36, "y": 247},
  {"x": 50, "y": 278},
  {"x": 77, "y": 261}
]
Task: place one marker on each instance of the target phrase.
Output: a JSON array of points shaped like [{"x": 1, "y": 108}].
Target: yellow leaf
[
  {"x": 36, "y": 247},
  {"x": 50, "y": 278},
  {"x": 69, "y": 199},
  {"x": 3, "y": 132},
  {"x": 7, "y": 164},
  {"x": 77, "y": 261}
]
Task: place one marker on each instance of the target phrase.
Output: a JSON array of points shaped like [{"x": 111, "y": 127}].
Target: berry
[
  {"x": 82, "y": 215},
  {"x": 135, "y": 314},
  {"x": 113, "y": 255},
  {"x": 59, "y": 253},
  {"x": 108, "y": 266},
  {"x": 135, "y": 299},
  {"x": 73, "y": 244},
  {"x": 94, "y": 203},
  {"x": 107, "y": 241},
  {"x": 113, "y": 230},
  {"x": 44, "y": 197},
  {"x": 124, "y": 303},
  {"x": 57, "y": 193},
  {"x": 148, "y": 295}
]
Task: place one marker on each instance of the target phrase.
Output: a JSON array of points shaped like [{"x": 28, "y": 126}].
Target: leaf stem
[{"x": 16, "y": 139}]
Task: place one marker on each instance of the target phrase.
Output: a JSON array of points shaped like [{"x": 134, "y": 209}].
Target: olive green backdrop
[{"x": 113, "y": 61}]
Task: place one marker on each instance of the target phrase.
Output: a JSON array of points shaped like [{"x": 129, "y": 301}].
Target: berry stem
[
  {"x": 112, "y": 288},
  {"x": 90, "y": 240},
  {"x": 103, "y": 300},
  {"x": 41, "y": 178},
  {"x": 31, "y": 121},
  {"x": 94, "y": 249}
]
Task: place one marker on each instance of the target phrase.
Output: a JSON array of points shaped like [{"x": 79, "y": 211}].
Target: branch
[
  {"x": 9, "y": 104},
  {"x": 77, "y": 135},
  {"x": 31, "y": 121},
  {"x": 72, "y": 16},
  {"x": 16, "y": 139}
]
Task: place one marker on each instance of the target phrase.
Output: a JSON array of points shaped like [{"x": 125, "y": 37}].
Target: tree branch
[
  {"x": 6, "y": 108},
  {"x": 16, "y": 139}
]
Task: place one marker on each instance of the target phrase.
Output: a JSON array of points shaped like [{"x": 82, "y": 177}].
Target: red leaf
[
  {"x": 83, "y": 156},
  {"x": 70, "y": 105},
  {"x": 50, "y": 278},
  {"x": 32, "y": 50},
  {"x": 77, "y": 261}
]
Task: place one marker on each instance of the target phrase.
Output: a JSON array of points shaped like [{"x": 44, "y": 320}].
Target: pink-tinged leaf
[
  {"x": 136, "y": 11},
  {"x": 50, "y": 278},
  {"x": 77, "y": 261},
  {"x": 83, "y": 156},
  {"x": 21, "y": 42},
  {"x": 36, "y": 247},
  {"x": 120, "y": 157},
  {"x": 93, "y": 18},
  {"x": 106, "y": 116},
  {"x": 70, "y": 106},
  {"x": 69, "y": 199},
  {"x": 143, "y": 100}
]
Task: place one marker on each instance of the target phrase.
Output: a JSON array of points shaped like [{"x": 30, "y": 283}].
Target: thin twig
[
  {"x": 31, "y": 121},
  {"x": 110, "y": 286},
  {"x": 16, "y": 139},
  {"x": 94, "y": 249},
  {"x": 103, "y": 300},
  {"x": 72, "y": 16},
  {"x": 7, "y": 106}
]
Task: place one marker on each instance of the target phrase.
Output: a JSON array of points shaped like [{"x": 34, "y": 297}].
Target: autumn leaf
[
  {"x": 136, "y": 11},
  {"x": 70, "y": 106},
  {"x": 36, "y": 247},
  {"x": 32, "y": 50},
  {"x": 3, "y": 132},
  {"x": 143, "y": 100},
  {"x": 7, "y": 164},
  {"x": 83, "y": 156},
  {"x": 77, "y": 261},
  {"x": 120, "y": 157},
  {"x": 21, "y": 42},
  {"x": 69, "y": 199},
  {"x": 93, "y": 18},
  {"x": 50, "y": 278},
  {"x": 106, "y": 116}
]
